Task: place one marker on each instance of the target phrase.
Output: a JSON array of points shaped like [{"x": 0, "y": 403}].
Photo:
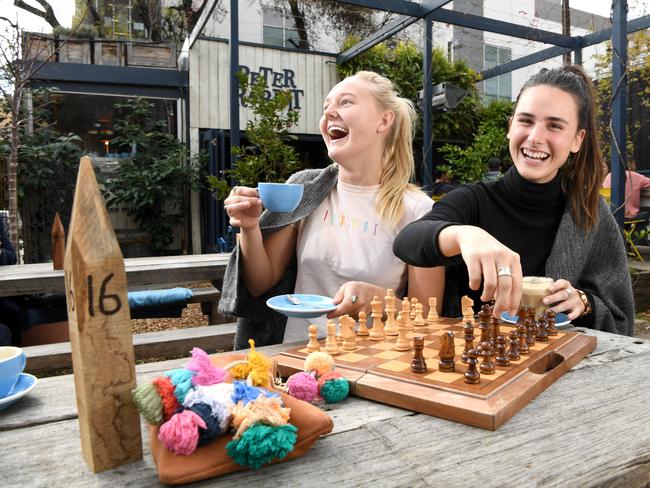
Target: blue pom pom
[
  {"x": 212, "y": 429},
  {"x": 246, "y": 393},
  {"x": 260, "y": 444},
  {"x": 182, "y": 381}
]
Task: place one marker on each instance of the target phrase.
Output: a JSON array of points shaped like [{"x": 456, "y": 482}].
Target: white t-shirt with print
[{"x": 344, "y": 240}]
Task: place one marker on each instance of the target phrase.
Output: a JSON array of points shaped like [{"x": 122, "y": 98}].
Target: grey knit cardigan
[{"x": 255, "y": 319}]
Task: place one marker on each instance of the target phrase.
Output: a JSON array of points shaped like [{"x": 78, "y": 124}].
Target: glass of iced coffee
[{"x": 534, "y": 289}]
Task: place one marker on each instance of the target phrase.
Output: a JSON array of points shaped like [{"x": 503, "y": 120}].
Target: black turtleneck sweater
[{"x": 522, "y": 215}]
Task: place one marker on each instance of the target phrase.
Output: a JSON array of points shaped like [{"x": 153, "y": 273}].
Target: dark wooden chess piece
[
  {"x": 521, "y": 334},
  {"x": 418, "y": 364},
  {"x": 550, "y": 317},
  {"x": 484, "y": 324},
  {"x": 487, "y": 366},
  {"x": 472, "y": 375},
  {"x": 513, "y": 351},
  {"x": 542, "y": 333},
  {"x": 447, "y": 352},
  {"x": 529, "y": 324},
  {"x": 502, "y": 358},
  {"x": 468, "y": 329},
  {"x": 496, "y": 332}
]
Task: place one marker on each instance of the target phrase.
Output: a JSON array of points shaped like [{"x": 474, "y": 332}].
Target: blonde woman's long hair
[{"x": 397, "y": 164}]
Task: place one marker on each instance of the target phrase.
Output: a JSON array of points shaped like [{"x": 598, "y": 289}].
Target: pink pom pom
[
  {"x": 302, "y": 386},
  {"x": 180, "y": 434},
  {"x": 206, "y": 373}
]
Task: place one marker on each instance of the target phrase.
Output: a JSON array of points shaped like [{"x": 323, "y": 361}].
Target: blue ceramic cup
[
  {"x": 12, "y": 363},
  {"x": 280, "y": 197}
]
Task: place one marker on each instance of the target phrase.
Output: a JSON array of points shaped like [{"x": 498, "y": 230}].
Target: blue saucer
[
  {"x": 561, "y": 319},
  {"x": 310, "y": 306},
  {"x": 26, "y": 383}
]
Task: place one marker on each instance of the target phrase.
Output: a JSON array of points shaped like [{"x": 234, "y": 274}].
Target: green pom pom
[
  {"x": 148, "y": 402},
  {"x": 260, "y": 444},
  {"x": 335, "y": 390}
]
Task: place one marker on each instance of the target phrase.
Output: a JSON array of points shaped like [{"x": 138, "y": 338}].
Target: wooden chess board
[{"x": 378, "y": 372}]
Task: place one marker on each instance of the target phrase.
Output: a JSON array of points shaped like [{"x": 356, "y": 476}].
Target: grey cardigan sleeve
[{"x": 596, "y": 263}]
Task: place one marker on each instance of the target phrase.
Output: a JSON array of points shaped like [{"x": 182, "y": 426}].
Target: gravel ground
[{"x": 192, "y": 317}]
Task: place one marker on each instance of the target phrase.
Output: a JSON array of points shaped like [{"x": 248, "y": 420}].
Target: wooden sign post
[
  {"x": 100, "y": 331},
  {"x": 58, "y": 242}
]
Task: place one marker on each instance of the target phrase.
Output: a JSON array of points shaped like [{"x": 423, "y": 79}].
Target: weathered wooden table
[
  {"x": 25, "y": 279},
  {"x": 590, "y": 428}
]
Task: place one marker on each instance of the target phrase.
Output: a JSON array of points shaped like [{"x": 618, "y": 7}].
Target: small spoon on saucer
[{"x": 293, "y": 300}]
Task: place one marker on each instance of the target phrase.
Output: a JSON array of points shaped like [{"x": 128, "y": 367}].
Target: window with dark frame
[
  {"x": 279, "y": 28},
  {"x": 499, "y": 87}
]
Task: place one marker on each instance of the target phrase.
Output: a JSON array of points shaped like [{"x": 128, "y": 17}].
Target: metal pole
[
  {"x": 566, "y": 29},
  {"x": 427, "y": 150},
  {"x": 234, "y": 82},
  {"x": 619, "y": 106}
]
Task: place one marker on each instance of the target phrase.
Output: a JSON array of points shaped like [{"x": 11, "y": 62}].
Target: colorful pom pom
[
  {"x": 212, "y": 424},
  {"x": 165, "y": 389},
  {"x": 148, "y": 402},
  {"x": 303, "y": 386},
  {"x": 182, "y": 381},
  {"x": 318, "y": 361},
  {"x": 333, "y": 387},
  {"x": 243, "y": 392},
  {"x": 260, "y": 367},
  {"x": 260, "y": 444},
  {"x": 218, "y": 396},
  {"x": 206, "y": 373},
  {"x": 263, "y": 410},
  {"x": 180, "y": 434}
]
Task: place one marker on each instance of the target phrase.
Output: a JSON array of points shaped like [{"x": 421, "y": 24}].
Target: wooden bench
[
  {"x": 148, "y": 345},
  {"x": 209, "y": 298}
]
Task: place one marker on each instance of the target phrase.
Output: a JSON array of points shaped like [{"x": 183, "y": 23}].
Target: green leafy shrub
[
  {"x": 155, "y": 180},
  {"x": 269, "y": 158}
]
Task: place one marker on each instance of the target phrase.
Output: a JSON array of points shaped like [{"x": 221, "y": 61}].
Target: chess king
[{"x": 339, "y": 240}]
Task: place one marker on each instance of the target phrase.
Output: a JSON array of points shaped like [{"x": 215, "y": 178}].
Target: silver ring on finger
[
  {"x": 354, "y": 298},
  {"x": 504, "y": 271}
]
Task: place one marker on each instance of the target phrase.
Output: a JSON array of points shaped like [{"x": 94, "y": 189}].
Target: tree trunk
[
  {"x": 12, "y": 172},
  {"x": 299, "y": 18}
]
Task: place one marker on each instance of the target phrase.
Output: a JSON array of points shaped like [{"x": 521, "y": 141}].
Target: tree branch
[{"x": 47, "y": 13}]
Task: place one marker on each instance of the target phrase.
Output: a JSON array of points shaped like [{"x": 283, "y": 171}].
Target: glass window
[
  {"x": 499, "y": 87},
  {"x": 279, "y": 28},
  {"x": 91, "y": 117}
]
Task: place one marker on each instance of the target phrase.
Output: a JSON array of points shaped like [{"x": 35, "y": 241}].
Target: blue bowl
[{"x": 311, "y": 306}]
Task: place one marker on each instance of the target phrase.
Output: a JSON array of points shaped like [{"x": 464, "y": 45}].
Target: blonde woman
[{"x": 338, "y": 242}]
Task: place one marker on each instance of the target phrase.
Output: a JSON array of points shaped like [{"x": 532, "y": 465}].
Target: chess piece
[
  {"x": 346, "y": 326},
  {"x": 466, "y": 304},
  {"x": 485, "y": 327},
  {"x": 331, "y": 346},
  {"x": 406, "y": 312},
  {"x": 363, "y": 328},
  {"x": 414, "y": 304},
  {"x": 419, "y": 319},
  {"x": 468, "y": 329},
  {"x": 521, "y": 334},
  {"x": 487, "y": 366},
  {"x": 502, "y": 358},
  {"x": 418, "y": 364},
  {"x": 402, "y": 343},
  {"x": 390, "y": 327},
  {"x": 550, "y": 318},
  {"x": 433, "y": 317},
  {"x": 531, "y": 330},
  {"x": 472, "y": 375},
  {"x": 495, "y": 332},
  {"x": 542, "y": 333},
  {"x": 447, "y": 352},
  {"x": 377, "y": 331},
  {"x": 313, "y": 345},
  {"x": 513, "y": 351},
  {"x": 484, "y": 314}
]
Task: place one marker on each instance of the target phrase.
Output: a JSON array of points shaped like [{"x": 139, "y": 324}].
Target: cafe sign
[{"x": 283, "y": 79}]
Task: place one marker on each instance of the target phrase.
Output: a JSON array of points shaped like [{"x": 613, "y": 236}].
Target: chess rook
[{"x": 418, "y": 364}]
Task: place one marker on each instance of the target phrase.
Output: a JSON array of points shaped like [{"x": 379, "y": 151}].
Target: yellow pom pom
[
  {"x": 260, "y": 373},
  {"x": 240, "y": 371},
  {"x": 321, "y": 362}
]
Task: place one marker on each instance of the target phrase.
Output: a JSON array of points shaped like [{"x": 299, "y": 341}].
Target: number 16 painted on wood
[{"x": 100, "y": 332}]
